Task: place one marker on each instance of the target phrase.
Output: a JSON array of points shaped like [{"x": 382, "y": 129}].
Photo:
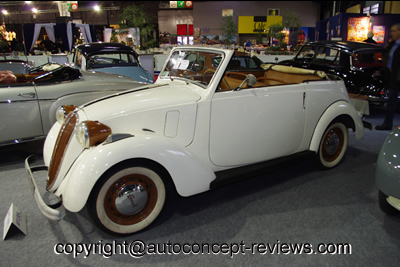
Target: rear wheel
[
  {"x": 128, "y": 199},
  {"x": 333, "y": 145}
]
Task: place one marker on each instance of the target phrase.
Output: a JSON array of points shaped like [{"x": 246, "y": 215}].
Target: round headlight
[
  {"x": 82, "y": 134},
  {"x": 63, "y": 111},
  {"x": 91, "y": 133}
]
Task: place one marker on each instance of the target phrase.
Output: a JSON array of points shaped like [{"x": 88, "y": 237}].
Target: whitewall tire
[
  {"x": 333, "y": 145},
  {"x": 127, "y": 200}
]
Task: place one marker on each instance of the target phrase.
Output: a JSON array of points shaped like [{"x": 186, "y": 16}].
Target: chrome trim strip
[
  {"x": 18, "y": 101},
  {"x": 22, "y": 140},
  {"x": 116, "y": 137}
]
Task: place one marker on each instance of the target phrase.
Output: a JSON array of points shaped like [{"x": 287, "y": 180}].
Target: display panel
[
  {"x": 357, "y": 29},
  {"x": 379, "y": 34}
]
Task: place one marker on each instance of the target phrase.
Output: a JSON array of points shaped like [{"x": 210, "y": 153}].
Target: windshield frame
[{"x": 192, "y": 65}]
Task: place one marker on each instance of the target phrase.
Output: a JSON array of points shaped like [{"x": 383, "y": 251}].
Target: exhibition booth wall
[{"x": 354, "y": 27}]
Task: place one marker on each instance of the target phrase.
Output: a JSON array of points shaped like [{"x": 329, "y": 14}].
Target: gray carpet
[{"x": 297, "y": 204}]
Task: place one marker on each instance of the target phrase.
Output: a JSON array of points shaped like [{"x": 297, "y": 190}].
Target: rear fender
[{"x": 342, "y": 111}]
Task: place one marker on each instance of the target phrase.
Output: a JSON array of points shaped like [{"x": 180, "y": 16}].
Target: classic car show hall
[{"x": 192, "y": 133}]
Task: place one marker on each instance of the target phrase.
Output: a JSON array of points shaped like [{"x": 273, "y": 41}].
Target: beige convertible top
[{"x": 293, "y": 70}]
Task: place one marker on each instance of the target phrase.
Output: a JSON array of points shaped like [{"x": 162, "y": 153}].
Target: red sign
[
  {"x": 188, "y": 4},
  {"x": 74, "y": 6}
]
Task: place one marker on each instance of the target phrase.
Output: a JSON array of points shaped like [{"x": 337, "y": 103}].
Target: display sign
[
  {"x": 196, "y": 34},
  {"x": 180, "y": 4},
  {"x": 227, "y": 12},
  {"x": 357, "y": 29},
  {"x": 72, "y": 6},
  {"x": 379, "y": 33},
  {"x": 188, "y": 4},
  {"x": 255, "y": 24},
  {"x": 366, "y": 10},
  {"x": 14, "y": 220},
  {"x": 375, "y": 9},
  {"x": 173, "y": 4},
  {"x": 273, "y": 12}
]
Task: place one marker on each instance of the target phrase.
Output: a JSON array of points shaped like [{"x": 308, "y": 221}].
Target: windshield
[
  {"x": 108, "y": 60},
  {"x": 305, "y": 52},
  {"x": 196, "y": 66}
]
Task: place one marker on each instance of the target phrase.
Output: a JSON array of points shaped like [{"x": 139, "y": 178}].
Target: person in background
[
  {"x": 390, "y": 44},
  {"x": 48, "y": 45},
  {"x": 393, "y": 68},
  {"x": 13, "y": 43},
  {"x": 369, "y": 39},
  {"x": 248, "y": 43},
  {"x": 59, "y": 46}
]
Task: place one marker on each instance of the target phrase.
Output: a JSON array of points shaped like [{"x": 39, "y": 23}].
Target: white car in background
[{"x": 211, "y": 117}]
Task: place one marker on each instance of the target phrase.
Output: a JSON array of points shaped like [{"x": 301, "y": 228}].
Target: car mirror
[{"x": 250, "y": 79}]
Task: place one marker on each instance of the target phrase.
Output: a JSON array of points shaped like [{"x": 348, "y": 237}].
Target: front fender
[
  {"x": 341, "y": 109},
  {"x": 189, "y": 174},
  {"x": 75, "y": 99}
]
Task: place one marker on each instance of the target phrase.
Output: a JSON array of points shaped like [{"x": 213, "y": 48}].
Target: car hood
[
  {"x": 141, "y": 99},
  {"x": 111, "y": 77}
]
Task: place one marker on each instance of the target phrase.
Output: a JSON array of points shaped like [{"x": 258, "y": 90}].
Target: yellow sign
[{"x": 251, "y": 24}]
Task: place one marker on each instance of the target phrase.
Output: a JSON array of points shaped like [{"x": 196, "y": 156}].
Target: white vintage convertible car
[
  {"x": 213, "y": 116},
  {"x": 29, "y": 101}
]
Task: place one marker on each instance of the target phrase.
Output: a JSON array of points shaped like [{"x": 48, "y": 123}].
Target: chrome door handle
[{"x": 30, "y": 95}]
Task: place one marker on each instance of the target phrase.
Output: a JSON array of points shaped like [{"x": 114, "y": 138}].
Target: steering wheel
[
  {"x": 204, "y": 74},
  {"x": 270, "y": 79}
]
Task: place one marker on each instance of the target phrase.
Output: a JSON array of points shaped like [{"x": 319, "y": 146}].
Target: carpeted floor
[{"x": 296, "y": 205}]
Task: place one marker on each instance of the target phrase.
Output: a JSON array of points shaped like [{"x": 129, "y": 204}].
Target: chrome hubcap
[
  {"x": 131, "y": 199},
  {"x": 332, "y": 144}
]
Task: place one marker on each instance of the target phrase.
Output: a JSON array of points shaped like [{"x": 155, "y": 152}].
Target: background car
[
  {"x": 354, "y": 62},
  {"x": 28, "y": 102},
  {"x": 113, "y": 58},
  {"x": 387, "y": 174},
  {"x": 199, "y": 127},
  {"x": 16, "y": 66}
]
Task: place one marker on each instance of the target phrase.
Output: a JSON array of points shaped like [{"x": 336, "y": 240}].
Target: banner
[{"x": 256, "y": 24}]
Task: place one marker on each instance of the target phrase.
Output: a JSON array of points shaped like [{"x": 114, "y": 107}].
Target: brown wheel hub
[
  {"x": 130, "y": 199},
  {"x": 332, "y": 144}
]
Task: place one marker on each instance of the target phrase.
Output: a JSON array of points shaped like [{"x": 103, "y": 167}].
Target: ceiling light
[
  {"x": 97, "y": 8},
  {"x": 34, "y": 10},
  {"x": 4, "y": 12}
]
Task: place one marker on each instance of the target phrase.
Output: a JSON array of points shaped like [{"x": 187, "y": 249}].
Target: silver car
[{"x": 28, "y": 102}]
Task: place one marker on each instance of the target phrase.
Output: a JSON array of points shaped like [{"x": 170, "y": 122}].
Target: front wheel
[
  {"x": 333, "y": 145},
  {"x": 128, "y": 199}
]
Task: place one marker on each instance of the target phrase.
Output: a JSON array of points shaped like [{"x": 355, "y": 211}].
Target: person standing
[
  {"x": 248, "y": 43},
  {"x": 369, "y": 39},
  {"x": 393, "y": 66}
]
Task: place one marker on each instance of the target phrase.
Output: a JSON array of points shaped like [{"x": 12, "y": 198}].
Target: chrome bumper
[{"x": 47, "y": 210}]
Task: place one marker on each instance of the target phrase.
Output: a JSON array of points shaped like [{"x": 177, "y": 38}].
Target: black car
[{"x": 354, "y": 62}]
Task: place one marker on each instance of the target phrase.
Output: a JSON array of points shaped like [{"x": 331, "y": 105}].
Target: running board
[{"x": 246, "y": 172}]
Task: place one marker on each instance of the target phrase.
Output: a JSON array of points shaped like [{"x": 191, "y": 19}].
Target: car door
[
  {"x": 20, "y": 113},
  {"x": 258, "y": 124}
]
